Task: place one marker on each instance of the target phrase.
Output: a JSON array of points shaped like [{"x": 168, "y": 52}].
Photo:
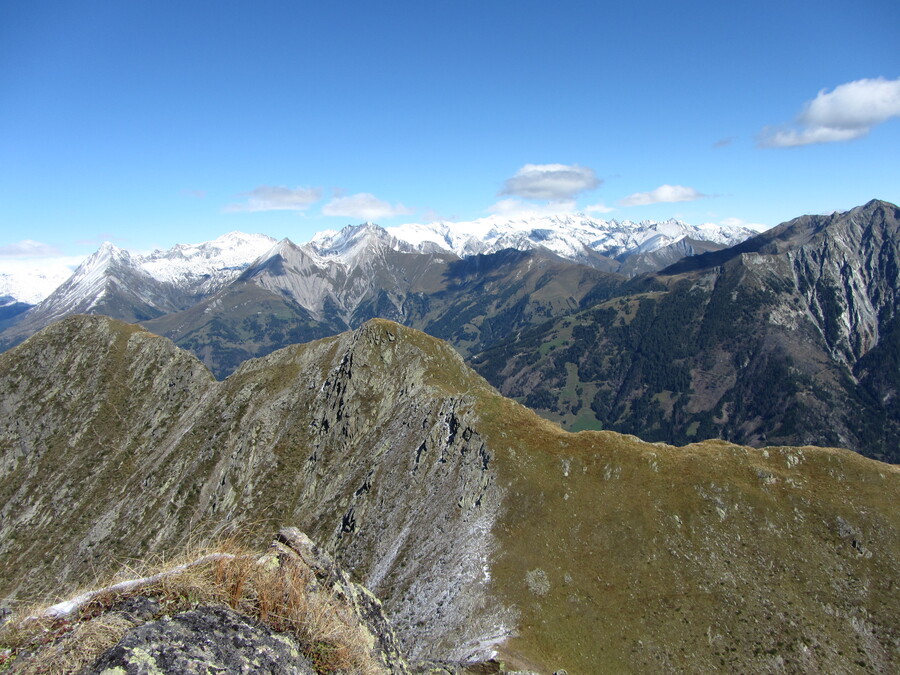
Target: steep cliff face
[{"x": 482, "y": 527}]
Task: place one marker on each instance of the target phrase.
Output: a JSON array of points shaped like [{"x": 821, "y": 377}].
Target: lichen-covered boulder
[{"x": 203, "y": 640}]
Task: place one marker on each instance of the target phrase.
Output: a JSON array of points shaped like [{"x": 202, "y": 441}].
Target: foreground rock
[{"x": 201, "y": 640}]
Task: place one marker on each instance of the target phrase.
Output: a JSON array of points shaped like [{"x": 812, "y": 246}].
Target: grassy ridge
[{"x": 612, "y": 554}]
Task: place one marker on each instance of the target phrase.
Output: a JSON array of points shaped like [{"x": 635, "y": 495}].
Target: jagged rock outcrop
[
  {"x": 485, "y": 530},
  {"x": 293, "y": 610}
]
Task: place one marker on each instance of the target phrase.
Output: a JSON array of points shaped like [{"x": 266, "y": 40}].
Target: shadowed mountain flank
[{"x": 790, "y": 337}]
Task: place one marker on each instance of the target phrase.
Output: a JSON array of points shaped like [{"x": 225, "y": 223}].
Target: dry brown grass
[
  {"x": 84, "y": 641},
  {"x": 277, "y": 589}
]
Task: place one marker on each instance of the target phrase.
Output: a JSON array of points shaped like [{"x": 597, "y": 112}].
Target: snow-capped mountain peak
[
  {"x": 89, "y": 280},
  {"x": 354, "y": 242},
  {"x": 185, "y": 270}
]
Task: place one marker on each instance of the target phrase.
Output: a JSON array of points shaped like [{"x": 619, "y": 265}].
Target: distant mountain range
[
  {"x": 203, "y": 268},
  {"x": 789, "y": 336},
  {"x": 625, "y": 247}
]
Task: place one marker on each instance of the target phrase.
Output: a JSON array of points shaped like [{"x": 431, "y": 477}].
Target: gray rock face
[
  {"x": 291, "y": 610},
  {"x": 203, "y": 640},
  {"x": 365, "y": 606}
]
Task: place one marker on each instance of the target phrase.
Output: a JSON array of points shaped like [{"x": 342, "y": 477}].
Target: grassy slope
[{"x": 648, "y": 557}]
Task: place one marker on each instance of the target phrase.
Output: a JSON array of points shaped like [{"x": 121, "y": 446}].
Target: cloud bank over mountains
[
  {"x": 28, "y": 248},
  {"x": 364, "y": 206}
]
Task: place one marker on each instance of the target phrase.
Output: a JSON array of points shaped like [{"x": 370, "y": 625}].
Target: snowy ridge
[
  {"x": 570, "y": 236},
  {"x": 205, "y": 267}
]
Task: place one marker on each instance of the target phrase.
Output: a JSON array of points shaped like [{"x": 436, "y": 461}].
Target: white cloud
[
  {"x": 363, "y": 206},
  {"x": 515, "y": 208},
  {"x": 276, "y": 198},
  {"x": 598, "y": 208},
  {"x": 28, "y": 248},
  {"x": 550, "y": 181},
  {"x": 664, "y": 193},
  {"x": 850, "y": 111}
]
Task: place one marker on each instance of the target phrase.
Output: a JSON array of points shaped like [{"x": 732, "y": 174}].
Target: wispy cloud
[
  {"x": 850, "y": 111},
  {"x": 598, "y": 208},
  {"x": 514, "y": 208},
  {"x": 28, "y": 248},
  {"x": 723, "y": 142},
  {"x": 432, "y": 216},
  {"x": 276, "y": 198},
  {"x": 364, "y": 206},
  {"x": 554, "y": 182},
  {"x": 662, "y": 194}
]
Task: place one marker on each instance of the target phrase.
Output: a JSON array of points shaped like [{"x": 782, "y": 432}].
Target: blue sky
[{"x": 154, "y": 123}]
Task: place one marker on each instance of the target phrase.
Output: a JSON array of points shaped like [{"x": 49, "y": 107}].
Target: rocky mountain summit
[{"x": 485, "y": 530}]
